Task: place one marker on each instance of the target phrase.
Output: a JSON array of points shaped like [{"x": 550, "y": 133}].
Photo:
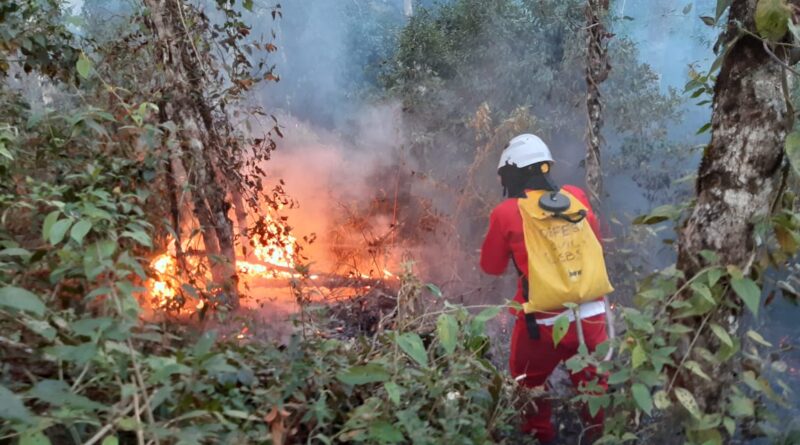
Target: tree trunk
[
  {"x": 241, "y": 220},
  {"x": 597, "y": 69},
  {"x": 739, "y": 177},
  {"x": 739, "y": 174},
  {"x": 189, "y": 110}
]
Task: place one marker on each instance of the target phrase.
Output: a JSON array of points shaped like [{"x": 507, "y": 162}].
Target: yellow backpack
[{"x": 565, "y": 259}]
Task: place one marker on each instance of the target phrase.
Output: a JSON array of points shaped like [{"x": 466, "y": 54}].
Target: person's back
[{"x": 525, "y": 166}]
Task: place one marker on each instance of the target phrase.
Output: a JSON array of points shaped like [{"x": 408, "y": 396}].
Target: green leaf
[
  {"x": 411, "y": 344},
  {"x": 621, "y": 376},
  {"x": 33, "y": 438},
  {"x": 703, "y": 290},
  {"x": 758, "y": 338},
  {"x": 722, "y": 334},
  {"x": 40, "y": 327},
  {"x": 22, "y": 300},
  {"x": 16, "y": 252},
  {"x": 560, "y": 329},
  {"x": 792, "y": 147},
  {"x": 79, "y": 354},
  {"x": 704, "y": 128},
  {"x": 488, "y": 314},
  {"x": 638, "y": 356},
  {"x": 730, "y": 425},
  {"x": 90, "y": 327},
  {"x": 58, "y": 393},
  {"x": 735, "y": 272},
  {"x": 110, "y": 440},
  {"x": 434, "y": 290},
  {"x": 248, "y": 5},
  {"x": 79, "y": 230},
  {"x": 688, "y": 401},
  {"x": 713, "y": 276},
  {"x": 750, "y": 379},
  {"x": 478, "y": 324},
  {"x": 83, "y": 65},
  {"x": 710, "y": 256},
  {"x": 384, "y": 432},
  {"x": 139, "y": 236},
  {"x": 771, "y": 19},
  {"x": 677, "y": 328},
  {"x": 97, "y": 128},
  {"x": 596, "y": 402},
  {"x": 697, "y": 369},
  {"x": 58, "y": 230},
  {"x": 204, "y": 344},
  {"x": 394, "y": 391},
  {"x": 749, "y": 292},
  {"x": 447, "y": 331},
  {"x": 239, "y": 414},
  {"x": 708, "y": 20},
  {"x": 49, "y": 220},
  {"x": 641, "y": 394},
  {"x": 741, "y": 406},
  {"x": 11, "y": 407},
  {"x": 659, "y": 214},
  {"x": 661, "y": 399},
  {"x": 360, "y": 375}
]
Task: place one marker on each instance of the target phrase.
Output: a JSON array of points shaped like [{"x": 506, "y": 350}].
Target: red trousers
[{"x": 538, "y": 358}]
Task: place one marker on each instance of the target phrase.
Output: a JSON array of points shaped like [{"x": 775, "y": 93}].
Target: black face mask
[{"x": 516, "y": 180}]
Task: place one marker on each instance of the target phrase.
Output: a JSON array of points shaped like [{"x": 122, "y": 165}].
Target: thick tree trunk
[
  {"x": 738, "y": 180},
  {"x": 597, "y": 69},
  {"x": 739, "y": 174}
]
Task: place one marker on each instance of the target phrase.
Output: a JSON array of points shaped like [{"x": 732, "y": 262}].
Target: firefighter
[{"x": 525, "y": 166}]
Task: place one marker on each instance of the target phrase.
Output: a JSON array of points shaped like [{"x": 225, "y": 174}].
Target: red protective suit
[{"x": 536, "y": 359}]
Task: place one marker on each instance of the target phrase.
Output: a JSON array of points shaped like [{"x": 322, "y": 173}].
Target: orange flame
[{"x": 275, "y": 247}]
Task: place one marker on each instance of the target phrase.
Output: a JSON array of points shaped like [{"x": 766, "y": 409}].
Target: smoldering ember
[{"x": 399, "y": 222}]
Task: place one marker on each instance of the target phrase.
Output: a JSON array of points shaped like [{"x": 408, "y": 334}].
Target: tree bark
[
  {"x": 597, "y": 69},
  {"x": 739, "y": 175},
  {"x": 241, "y": 220},
  {"x": 738, "y": 179}
]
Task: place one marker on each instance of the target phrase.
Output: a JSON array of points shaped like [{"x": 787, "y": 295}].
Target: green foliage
[
  {"x": 792, "y": 147},
  {"x": 225, "y": 389},
  {"x": 560, "y": 329},
  {"x": 37, "y": 32},
  {"x": 664, "y": 357},
  {"x": 772, "y": 18},
  {"x": 454, "y": 57}
]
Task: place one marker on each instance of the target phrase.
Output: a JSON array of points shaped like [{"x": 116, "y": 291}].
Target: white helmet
[{"x": 525, "y": 150}]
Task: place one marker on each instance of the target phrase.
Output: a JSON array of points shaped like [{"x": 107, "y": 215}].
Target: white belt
[{"x": 586, "y": 310}]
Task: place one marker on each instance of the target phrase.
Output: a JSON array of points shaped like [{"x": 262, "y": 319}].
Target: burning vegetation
[{"x": 270, "y": 257}]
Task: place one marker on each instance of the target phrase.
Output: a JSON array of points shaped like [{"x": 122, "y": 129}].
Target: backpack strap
[{"x": 530, "y": 318}]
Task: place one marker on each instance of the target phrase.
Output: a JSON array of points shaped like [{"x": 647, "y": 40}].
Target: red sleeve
[
  {"x": 591, "y": 217},
  {"x": 495, "y": 251}
]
